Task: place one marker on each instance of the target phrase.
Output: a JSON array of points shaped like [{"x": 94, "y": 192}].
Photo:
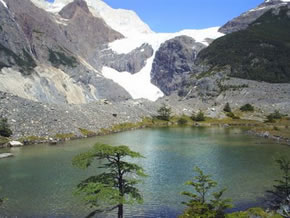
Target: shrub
[
  {"x": 270, "y": 119},
  {"x": 182, "y": 121},
  {"x": 274, "y": 116},
  {"x": 247, "y": 107},
  {"x": 277, "y": 115},
  {"x": 201, "y": 204},
  {"x": 233, "y": 116},
  {"x": 164, "y": 113},
  {"x": 199, "y": 117},
  {"x": 227, "y": 108},
  {"x": 4, "y": 128}
]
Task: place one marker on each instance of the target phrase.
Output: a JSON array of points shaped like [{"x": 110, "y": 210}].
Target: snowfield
[{"x": 139, "y": 84}]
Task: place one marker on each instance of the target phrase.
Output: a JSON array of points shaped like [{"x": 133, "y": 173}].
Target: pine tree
[
  {"x": 164, "y": 113},
  {"x": 281, "y": 192},
  {"x": 227, "y": 108},
  {"x": 117, "y": 185},
  {"x": 199, "y": 206}
]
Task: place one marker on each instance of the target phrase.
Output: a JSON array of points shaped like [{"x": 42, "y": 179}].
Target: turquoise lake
[{"x": 39, "y": 181}]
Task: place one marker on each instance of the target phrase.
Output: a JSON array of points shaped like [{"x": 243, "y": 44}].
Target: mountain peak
[
  {"x": 124, "y": 21},
  {"x": 69, "y": 10}
]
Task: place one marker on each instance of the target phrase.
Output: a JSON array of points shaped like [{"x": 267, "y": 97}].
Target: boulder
[
  {"x": 15, "y": 144},
  {"x": 5, "y": 155}
]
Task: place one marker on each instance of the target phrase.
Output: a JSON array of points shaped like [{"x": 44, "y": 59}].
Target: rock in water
[
  {"x": 6, "y": 155},
  {"x": 15, "y": 144}
]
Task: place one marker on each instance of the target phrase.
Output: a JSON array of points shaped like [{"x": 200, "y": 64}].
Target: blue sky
[{"x": 175, "y": 15}]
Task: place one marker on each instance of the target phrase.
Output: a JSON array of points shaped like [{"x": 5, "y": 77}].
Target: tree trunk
[{"x": 120, "y": 211}]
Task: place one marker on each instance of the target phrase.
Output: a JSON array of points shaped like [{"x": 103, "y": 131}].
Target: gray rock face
[
  {"x": 14, "y": 47},
  {"x": 69, "y": 10},
  {"x": 243, "y": 21},
  {"x": 86, "y": 33},
  {"x": 174, "y": 63},
  {"x": 132, "y": 62},
  {"x": 32, "y": 37}
]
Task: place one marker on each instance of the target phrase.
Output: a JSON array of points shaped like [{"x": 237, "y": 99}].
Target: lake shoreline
[{"x": 254, "y": 127}]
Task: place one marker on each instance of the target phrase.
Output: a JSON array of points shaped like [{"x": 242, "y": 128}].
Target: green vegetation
[
  {"x": 274, "y": 116},
  {"x": 32, "y": 139},
  {"x": 164, "y": 113},
  {"x": 5, "y": 130},
  {"x": 58, "y": 58},
  {"x": 3, "y": 140},
  {"x": 253, "y": 212},
  {"x": 247, "y": 108},
  {"x": 199, "y": 117},
  {"x": 227, "y": 108},
  {"x": 261, "y": 52},
  {"x": 200, "y": 204},
  {"x": 182, "y": 120},
  {"x": 87, "y": 133},
  {"x": 281, "y": 192},
  {"x": 232, "y": 115},
  {"x": 224, "y": 88},
  {"x": 114, "y": 187},
  {"x": 26, "y": 63},
  {"x": 64, "y": 136}
]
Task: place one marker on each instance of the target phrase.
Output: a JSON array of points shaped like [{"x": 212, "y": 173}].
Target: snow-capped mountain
[
  {"x": 126, "y": 22},
  {"x": 84, "y": 30},
  {"x": 78, "y": 51}
]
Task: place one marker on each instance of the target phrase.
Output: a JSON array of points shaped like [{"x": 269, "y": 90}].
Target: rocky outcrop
[
  {"x": 53, "y": 53},
  {"x": 132, "y": 62},
  {"x": 174, "y": 63},
  {"x": 242, "y": 22},
  {"x": 85, "y": 32},
  {"x": 15, "y": 49},
  {"x": 69, "y": 10}
]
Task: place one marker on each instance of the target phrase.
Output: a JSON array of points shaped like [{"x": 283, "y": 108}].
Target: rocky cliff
[
  {"x": 52, "y": 53},
  {"x": 244, "y": 20}
]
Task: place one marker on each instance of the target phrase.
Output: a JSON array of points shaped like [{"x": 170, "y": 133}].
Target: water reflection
[{"x": 39, "y": 180}]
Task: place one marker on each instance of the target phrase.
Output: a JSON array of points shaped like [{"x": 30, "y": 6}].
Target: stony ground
[{"x": 29, "y": 118}]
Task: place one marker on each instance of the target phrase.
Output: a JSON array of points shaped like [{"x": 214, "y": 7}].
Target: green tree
[
  {"x": 281, "y": 192},
  {"x": 116, "y": 185},
  {"x": 227, "y": 108},
  {"x": 200, "y": 116},
  {"x": 182, "y": 120},
  {"x": 199, "y": 205},
  {"x": 247, "y": 107},
  {"x": 4, "y": 128},
  {"x": 164, "y": 113}
]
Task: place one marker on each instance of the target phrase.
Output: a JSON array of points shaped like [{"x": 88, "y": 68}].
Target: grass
[
  {"x": 3, "y": 140},
  {"x": 253, "y": 212},
  {"x": 87, "y": 133},
  {"x": 64, "y": 136},
  {"x": 32, "y": 139}
]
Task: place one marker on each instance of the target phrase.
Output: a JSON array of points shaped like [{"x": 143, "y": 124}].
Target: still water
[{"x": 39, "y": 181}]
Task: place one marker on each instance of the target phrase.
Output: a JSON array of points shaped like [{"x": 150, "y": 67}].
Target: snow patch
[
  {"x": 4, "y": 3},
  {"x": 126, "y": 45},
  {"x": 138, "y": 85}
]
